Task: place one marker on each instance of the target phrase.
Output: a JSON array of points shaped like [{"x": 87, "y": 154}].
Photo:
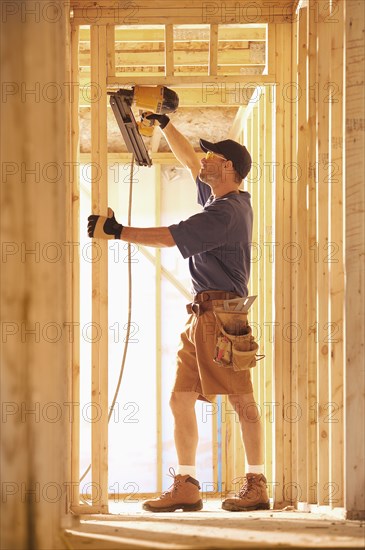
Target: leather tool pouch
[{"x": 236, "y": 347}]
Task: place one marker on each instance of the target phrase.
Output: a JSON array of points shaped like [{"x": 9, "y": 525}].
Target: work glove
[
  {"x": 101, "y": 227},
  {"x": 163, "y": 120}
]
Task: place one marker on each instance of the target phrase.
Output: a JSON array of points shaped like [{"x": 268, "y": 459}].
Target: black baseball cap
[{"x": 231, "y": 150}]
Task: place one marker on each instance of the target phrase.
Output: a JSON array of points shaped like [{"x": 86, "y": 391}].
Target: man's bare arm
[
  {"x": 182, "y": 149},
  {"x": 158, "y": 237}
]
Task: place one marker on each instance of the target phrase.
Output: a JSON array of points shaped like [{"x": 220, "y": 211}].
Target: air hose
[{"x": 129, "y": 308}]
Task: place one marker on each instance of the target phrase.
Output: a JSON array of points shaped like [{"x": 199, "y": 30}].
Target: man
[{"x": 217, "y": 243}]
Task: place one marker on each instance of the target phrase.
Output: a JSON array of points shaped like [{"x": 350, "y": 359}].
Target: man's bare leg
[
  {"x": 253, "y": 493},
  {"x": 186, "y": 429},
  {"x": 184, "y": 493},
  {"x": 251, "y": 426}
]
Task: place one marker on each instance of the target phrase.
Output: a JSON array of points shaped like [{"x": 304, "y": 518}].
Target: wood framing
[
  {"x": 75, "y": 292},
  {"x": 293, "y": 126},
  {"x": 158, "y": 280},
  {"x": 169, "y": 50},
  {"x": 300, "y": 272},
  {"x": 187, "y": 11},
  {"x": 312, "y": 337},
  {"x": 337, "y": 268},
  {"x": 99, "y": 205},
  {"x": 355, "y": 284},
  {"x": 150, "y": 35},
  {"x": 282, "y": 358},
  {"x": 322, "y": 266},
  {"x": 213, "y": 50}
]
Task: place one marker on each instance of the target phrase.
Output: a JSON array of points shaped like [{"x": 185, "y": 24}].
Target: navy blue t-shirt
[{"x": 217, "y": 241}]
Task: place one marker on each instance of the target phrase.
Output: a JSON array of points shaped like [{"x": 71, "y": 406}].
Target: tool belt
[
  {"x": 203, "y": 301},
  {"x": 236, "y": 347}
]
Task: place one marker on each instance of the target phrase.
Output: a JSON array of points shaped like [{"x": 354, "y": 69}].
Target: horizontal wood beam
[
  {"x": 210, "y": 95},
  {"x": 104, "y": 12},
  {"x": 129, "y": 73},
  {"x": 191, "y": 81},
  {"x": 189, "y": 57},
  {"x": 187, "y": 46},
  {"x": 148, "y": 35},
  {"x": 125, "y": 158}
]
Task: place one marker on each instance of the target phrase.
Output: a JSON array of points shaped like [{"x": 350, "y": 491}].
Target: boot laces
[
  {"x": 248, "y": 487},
  {"x": 173, "y": 487}
]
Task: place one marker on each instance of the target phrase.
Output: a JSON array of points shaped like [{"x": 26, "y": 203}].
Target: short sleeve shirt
[{"x": 217, "y": 241}]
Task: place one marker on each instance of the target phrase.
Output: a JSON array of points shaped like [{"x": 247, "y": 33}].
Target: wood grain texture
[
  {"x": 35, "y": 309},
  {"x": 99, "y": 204},
  {"x": 355, "y": 231}
]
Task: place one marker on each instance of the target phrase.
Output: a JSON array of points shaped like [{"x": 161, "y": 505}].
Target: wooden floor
[{"x": 129, "y": 527}]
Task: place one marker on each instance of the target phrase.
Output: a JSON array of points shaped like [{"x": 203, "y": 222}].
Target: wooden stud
[
  {"x": 270, "y": 49},
  {"x": 267, "y": 199},
  {"x": 158, "y": 277},
  {"x": 75, "y": 223},
  {"x": 255, "y": 258},
  {"x": 215, "y": 449},
  {"x": 355, "y": 284},
  {"x": 337, "y": 280},
  {"x": 169, "y": 50},
  {"x": 213, "y": 50},
  {"x": 261, "y": 264},
  {"x": 312, "y": 452},
  {"x": 282, "y": 360},
  {"x": 99, "y": 395},
  {"x": 110, "y": 41},
  {"x": 322, "y": 197},
  {"x": 300, "y": 282},
  {"x": 35, "y": 279},
  {"x": 292, "y": 251},
  {"x": 227, "y": 439},
  {"x": 289, "y": 490}
]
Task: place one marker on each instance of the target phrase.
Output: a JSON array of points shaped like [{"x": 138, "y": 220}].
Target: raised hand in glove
[
  {"x": 101, "y": 227},
  {"x": 163, "y": 120}
]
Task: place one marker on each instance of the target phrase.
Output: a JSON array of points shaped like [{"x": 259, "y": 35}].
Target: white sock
[
  {"x": 256, "y": 469},
  {"x": 184, "y": 470}
]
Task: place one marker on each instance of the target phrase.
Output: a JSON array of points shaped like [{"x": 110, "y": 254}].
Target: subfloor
[{"x": 128, "y": 526}]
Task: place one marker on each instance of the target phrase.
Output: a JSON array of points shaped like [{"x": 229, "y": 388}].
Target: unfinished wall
[
  {"x": 314, "y": 450},
  {"x": 326, "y": 220},
  {"x": 315, "y": 179},
  {"x": 34, "y": 357}
]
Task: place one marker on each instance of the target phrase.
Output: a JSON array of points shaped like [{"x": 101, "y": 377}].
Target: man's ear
[{"x": 229, "y": 164}]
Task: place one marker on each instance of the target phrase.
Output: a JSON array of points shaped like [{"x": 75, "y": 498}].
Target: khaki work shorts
[{"x": 196, "y": 371}]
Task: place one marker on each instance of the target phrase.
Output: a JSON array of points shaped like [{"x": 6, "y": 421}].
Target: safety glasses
[{"x": 210, "y": 155}]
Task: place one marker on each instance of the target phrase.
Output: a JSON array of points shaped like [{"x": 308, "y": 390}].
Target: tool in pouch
[{"x": 236, "y": 347}]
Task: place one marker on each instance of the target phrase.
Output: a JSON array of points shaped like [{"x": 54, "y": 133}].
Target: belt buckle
[
  {"x": 205, "y": 296},
  {"x": 195, "y": 308}
]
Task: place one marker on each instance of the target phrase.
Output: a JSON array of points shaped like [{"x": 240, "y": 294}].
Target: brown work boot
[
  {"x": 183, "y": 494},
  {"x": 252, "y": 495}
]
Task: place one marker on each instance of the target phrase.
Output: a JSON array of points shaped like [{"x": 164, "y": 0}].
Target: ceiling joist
[{"x": 103, "y": 12}]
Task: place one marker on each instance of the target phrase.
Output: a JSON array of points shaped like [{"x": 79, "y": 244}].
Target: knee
[
  {"x": 246, "y": 407},
  {"x": 180, "y": 403},
  {"x": 176, "y": 403}
]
